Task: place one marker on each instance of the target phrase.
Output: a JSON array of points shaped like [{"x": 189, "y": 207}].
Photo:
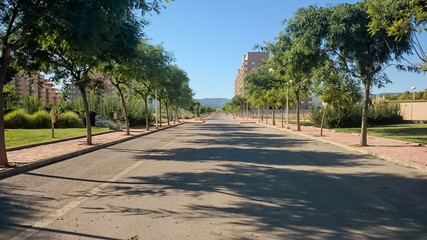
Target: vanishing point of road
[{"x": 217, "y": 180}]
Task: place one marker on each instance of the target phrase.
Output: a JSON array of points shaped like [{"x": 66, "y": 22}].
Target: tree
[
  {"x": 259, "y": 85},
  {"x": 402, "y": 19},
  {"x": 120, "y": 73},
  {"x": 11, "y": 97},
  {"x": 236, "y": 105},
  {"x": 73, "y": 53},
  {"x": 18, "y": 21},
  {"x": 342, "y": 34},
  {"x": 293, "y": 61},
  {"x": 336, "y": 89},
  {"x": 175, "y": 92},
  {"x": 359, "y": 53},
  {"x": 77, "y": 30},
  {"x": 149, "y": 66}
]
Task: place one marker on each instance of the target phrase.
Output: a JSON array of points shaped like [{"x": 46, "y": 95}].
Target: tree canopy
[
  {"x": 401, "y": 19},
  {"x": 68, "y": 36}
]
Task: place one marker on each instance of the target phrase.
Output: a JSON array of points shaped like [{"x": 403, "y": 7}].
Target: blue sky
[{"x": 209, "y": 38}]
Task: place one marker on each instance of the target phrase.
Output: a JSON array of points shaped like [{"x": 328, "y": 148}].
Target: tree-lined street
[{"x": 217, "y": 180}]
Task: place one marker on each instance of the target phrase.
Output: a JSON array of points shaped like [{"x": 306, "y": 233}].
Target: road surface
[{"x": 217, "y": 180}]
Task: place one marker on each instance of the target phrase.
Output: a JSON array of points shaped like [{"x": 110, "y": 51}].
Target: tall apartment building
[
  {"x": 36, "y": 85},
  {"x": 250, "y": 62}
]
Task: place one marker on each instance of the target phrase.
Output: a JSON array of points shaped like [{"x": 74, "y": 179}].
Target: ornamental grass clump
[{"x": 69, "y": 120}]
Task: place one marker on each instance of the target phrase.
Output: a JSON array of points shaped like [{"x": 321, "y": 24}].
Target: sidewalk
[
  {"x": 399, "y": 152},
  {"x": 33, "y": 157}
]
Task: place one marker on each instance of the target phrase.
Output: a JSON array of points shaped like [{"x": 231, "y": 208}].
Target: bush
[
  {"x": 380, "y": 113},
  {"x": 337, "y": 118},
  {"x": 69, "y": 120},
  {"x": 40, "y": 119},
  {"x": 383, "y": 114},
  {"x": 32, "y": 104},
  {"x": 17, "y": 119}
]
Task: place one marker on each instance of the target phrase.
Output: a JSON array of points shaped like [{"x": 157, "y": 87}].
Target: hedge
[{"x": 41, "y": 119}]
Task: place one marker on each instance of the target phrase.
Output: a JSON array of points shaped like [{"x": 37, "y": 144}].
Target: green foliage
[
  {"x": 41, "y": 119},
  {"x": 336, "y": 88},
  {"x": 339, "y": 33},
  {"x": 236, "y": 105},
  {"x": 336, "y": 117},
  {"x": 382, "y": 114},
  {"x": 68, "y": 120},
  {"x": 176, "y": 90},
  {"x": 206, "y": 110},
  {"x": 260, "y": 87},
  {"x": 105, "y": 106},
  {"x": 379, "y": 114},
  {"x": 17, "y": 119},
  {"x": 407, "y": 95},
  {"x": 398, "y": 17},
  {"x": 11, "y": 97},
  {"x": 32, "y": 104},
  {"x": 136, "y": 111},
  {"x": 150, "y": 71},
  {"x": 402, "y": 20}
]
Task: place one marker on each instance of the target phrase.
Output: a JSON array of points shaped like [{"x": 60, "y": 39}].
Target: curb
[
  {"x": 397, "y": 161},
  {"x": 41, "y": 163}
]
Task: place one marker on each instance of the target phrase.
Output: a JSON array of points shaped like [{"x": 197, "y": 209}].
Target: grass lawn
[
  {"x": 19, "y": 137},
  {"x": 416, "y": 133}
]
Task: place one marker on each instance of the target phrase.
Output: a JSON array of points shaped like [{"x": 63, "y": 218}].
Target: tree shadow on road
[
  {"x": 270, "y": 188},
  {"x": 296, "y": 204},
  {"x": 275, "y": 190}
]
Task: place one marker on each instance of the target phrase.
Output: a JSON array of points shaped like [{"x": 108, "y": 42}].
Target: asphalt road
[{"x": 217, "y": 180}]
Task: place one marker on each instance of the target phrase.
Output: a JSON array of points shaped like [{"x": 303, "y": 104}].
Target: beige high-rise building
[
  {"x": 37, "y": 85},
  {"x": 250, "y": 62}
]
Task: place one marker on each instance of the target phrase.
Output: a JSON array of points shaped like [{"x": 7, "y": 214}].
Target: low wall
[{"x": 412, "y": 110}]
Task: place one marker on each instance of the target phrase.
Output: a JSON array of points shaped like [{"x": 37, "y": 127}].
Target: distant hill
[{"x": 217, "y": 103}]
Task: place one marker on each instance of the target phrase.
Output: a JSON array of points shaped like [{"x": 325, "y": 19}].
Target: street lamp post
[
  {"x": 413, "y": 93},
  {"x": 156, "y": 111},
  {"x": 413, "y": 100},
  {"x": 287, "y": 105}
]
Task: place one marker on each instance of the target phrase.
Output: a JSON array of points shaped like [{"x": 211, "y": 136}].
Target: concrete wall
[{"x": 414, "y": 110}]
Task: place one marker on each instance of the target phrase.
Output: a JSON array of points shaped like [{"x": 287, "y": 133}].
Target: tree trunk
[
  {"x": 266, "y": 116},
  {"x": 176, "y": 115},
  {"x": 147, "y": 124},
  {"x": 274, "y": 116},
  {"x": 87, "y": 114},
  {"x": 3, "y": 70},
  {"x": 167, "y": 112},
  {"x": 323, "y": 119},
  {"x": 364, "y": 128},
  {"x": 125, "y": 111},
  {"x": 297, "y": 110}
]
